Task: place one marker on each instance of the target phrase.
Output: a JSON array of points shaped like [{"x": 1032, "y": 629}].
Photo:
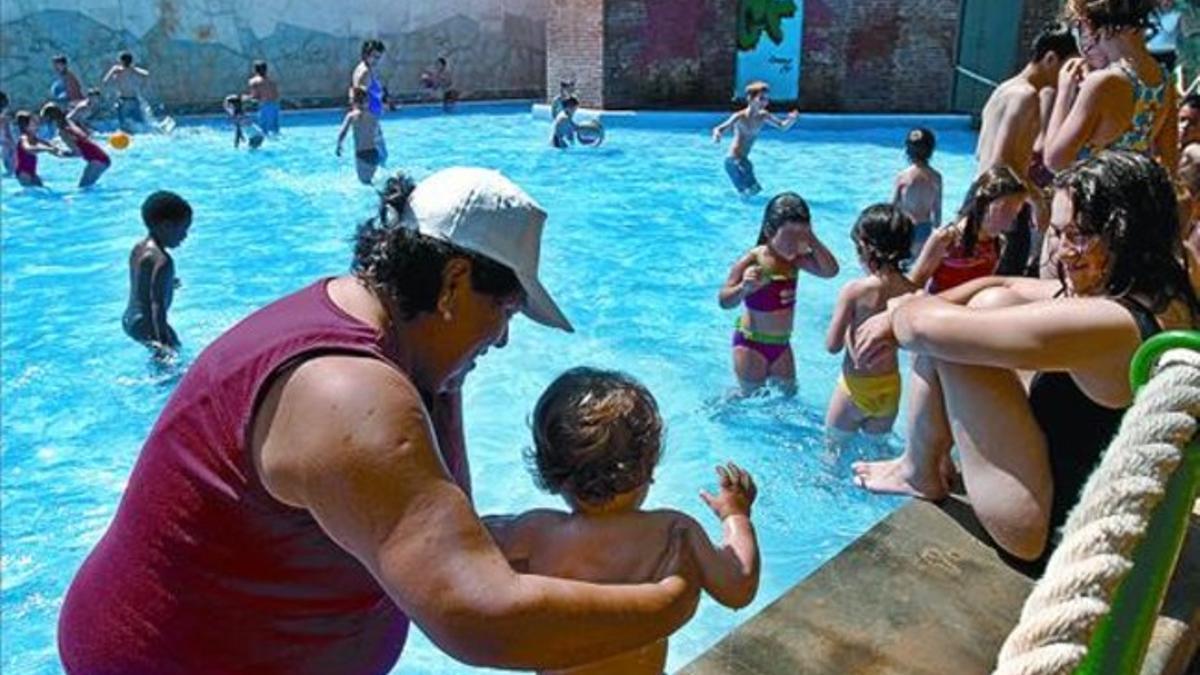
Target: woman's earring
[{"x": 447, "y": 315}]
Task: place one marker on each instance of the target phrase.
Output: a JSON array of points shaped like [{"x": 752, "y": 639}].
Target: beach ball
[
  {"x": 590, "y": 132},
  {"x": 119, "y": 140}
]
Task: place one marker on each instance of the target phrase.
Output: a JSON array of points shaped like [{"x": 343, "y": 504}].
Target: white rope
[{"x": 1107, "y": 524}]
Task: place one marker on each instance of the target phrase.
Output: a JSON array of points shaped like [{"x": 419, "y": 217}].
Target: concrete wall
[{"x": 200, "y": 50}]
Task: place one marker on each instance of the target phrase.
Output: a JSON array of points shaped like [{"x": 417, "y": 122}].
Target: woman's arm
[
  {"x": 931, "y": 255},
  {"x": 1166, "y": 141},
  {"x": 1075, "y": 118},
  {"x": 348, "y": 439},
  {"x": 1061, "y": 334}
]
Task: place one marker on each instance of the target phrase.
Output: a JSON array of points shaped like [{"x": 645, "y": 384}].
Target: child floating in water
[
  {"x": 243, "y": 127},
  {"x": 747, "y": 123},
  {"x": 597, "y": 438},
  {"x": 262, "y": 88},
  {"x": 366, "y": 130},
  {"x": 27, "y": 148},
  {"x": 765, "y": 279},
  {"x": 80, "y": 143},
  {"x": 918, "y": 190},
  {"x": 563, "y": 133},
  {"x": 152, "y": 281},
  {"x": 866, "y": 399}
]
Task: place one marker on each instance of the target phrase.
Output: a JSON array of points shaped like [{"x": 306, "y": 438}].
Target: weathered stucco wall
[{"x": 200, "y": 50}]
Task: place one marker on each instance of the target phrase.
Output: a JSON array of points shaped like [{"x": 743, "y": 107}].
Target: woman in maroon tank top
[{"x": 306, "y": 491}]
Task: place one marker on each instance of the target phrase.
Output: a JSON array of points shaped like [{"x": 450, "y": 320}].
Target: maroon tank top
[{"x": 201, "y": 570}]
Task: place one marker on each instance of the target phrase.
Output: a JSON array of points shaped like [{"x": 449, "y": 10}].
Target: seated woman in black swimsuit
[{"x": 1026, "y": 454}]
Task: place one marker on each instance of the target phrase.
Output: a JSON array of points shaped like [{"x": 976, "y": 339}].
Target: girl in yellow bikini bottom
[{"x": 874, "y": 395}]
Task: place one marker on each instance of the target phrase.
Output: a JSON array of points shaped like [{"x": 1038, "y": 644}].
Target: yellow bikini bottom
[{"x": 875, "y": 395}]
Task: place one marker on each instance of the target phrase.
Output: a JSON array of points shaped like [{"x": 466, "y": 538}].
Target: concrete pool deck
[{"x": 921, "y": 593}]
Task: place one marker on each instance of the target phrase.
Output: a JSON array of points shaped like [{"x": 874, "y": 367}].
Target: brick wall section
[
  {"x": 575, "y": 49},
  {"x": 879, "y": 55},
  {"x": 667, "y": 53},
  {"x": 1037, "y": 14}
]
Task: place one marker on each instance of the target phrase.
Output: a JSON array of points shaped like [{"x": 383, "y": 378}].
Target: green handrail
[{"x": 1122, "y": 638}]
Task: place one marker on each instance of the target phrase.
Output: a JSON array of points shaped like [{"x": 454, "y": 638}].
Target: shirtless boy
[
  {"x": 262, "y": 88},
  {"x": 128, "y": 80},
  {"x": 366, "y": 134},
  {"x": 747, "y": 123},
  {"x": 152, "y": 279},
  {"x": 918, "y": 190}
]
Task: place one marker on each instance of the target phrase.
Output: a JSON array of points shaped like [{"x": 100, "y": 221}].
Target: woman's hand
[
  {"x": 1071, "y": 75},
  {"x": 873, "y": 338}
]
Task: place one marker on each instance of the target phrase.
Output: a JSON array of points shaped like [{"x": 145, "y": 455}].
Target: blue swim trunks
[
  {"x": 741, "y": 173},
  {"x": 130, "y": 117},
  {"x": 268, "y": 116}
]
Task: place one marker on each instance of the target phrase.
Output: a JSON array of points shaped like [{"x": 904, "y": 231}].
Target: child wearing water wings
[
  {"x": 27, "y": 148},
  {"x": 367, "y": 157},
  {"x": 867, "y": 398},
  {"x": 765, "y": 279},
  {"x": 597, "y": 438},
  {"x": 79, "y": 142},
  {"x": 244, "y": 129}
]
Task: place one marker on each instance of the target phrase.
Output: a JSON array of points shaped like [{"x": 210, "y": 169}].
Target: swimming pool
[{"x": 641, "y": 234}]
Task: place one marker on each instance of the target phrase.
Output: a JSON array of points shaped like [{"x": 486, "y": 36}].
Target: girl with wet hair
[
  {"x": 1116, "y": 96},
  {"x": 1026, "y": 454},
  {"x": 867, "y": 398},
  {"x": 597, "y": 438},
  {"x": 991, "y": 235},
  {"x": 79, "y": 142},
  {"x": 765, "y": 280}
]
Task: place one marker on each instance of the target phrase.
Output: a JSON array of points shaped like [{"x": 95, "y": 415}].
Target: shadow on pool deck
[{"x": 922, "y": 594}]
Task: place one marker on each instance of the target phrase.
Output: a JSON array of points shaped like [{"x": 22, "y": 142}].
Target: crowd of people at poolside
[
  {"x": 76, "y": 114},
  {"x": 307, "y": 490}
]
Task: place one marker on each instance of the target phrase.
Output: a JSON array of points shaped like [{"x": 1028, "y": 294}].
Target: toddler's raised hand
[{"x": 736, "y": 492}]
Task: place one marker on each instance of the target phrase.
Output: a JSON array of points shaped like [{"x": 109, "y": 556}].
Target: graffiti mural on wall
[{"x": 776, "y": 59}]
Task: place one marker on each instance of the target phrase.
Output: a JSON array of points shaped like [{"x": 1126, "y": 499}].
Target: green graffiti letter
[{"x": 756, "y": 16}]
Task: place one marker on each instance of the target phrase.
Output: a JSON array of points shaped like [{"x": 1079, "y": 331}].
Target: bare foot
[{"x": 899, "y": 476}]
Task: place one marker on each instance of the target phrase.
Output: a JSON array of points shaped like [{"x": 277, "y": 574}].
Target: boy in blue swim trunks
[
  {"x": 918, "y": 191},
  {"x": 129, "y": 81},
  {"x": 747, "y": 123}
]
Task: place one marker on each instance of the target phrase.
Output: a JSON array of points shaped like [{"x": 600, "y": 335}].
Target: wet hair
[
  {"x": 260, "y": 68},
  {"x": 22, "y": 118},
  {"x": 3, "y": 100},
  {"x": 919, "y": 144},
  {"x": 1112, "y": 15},
  {"x": 55, "y": 114},
  {"x": 59, "y": 58},
  {"x": 783, "y": 208},
  {"x": 566, "y": 84},
  {"x": 372, "y": 45},
  {"x": 883, "y": 236},
  {"x": 1057, "y": 38},
  {"x": 1128, "y": 201},
  {"x": 94, "y": 91},
  {"x": 756, "y": 89},
  {"x": 233, "y": 104},
  {"x": 358, "y": 94},
  {"x": 1192, "y": 100},
  {"x": 401, "y": 264},
  {"x": 994, "y": 184},
  {"x": 126, "y": 58},
  {"x": 596, "y": 434},
  {"x": 164, "y": 207}
]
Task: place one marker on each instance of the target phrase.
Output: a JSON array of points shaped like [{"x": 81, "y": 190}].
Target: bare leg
[
  {"x": 750, "y": 367},
  {"x": 92, "y": 173},
  {"x": 366, "y": 171},
  {"x": 783, "y": 372},
  {"x": 842, "y": 415},
  {"x": 919, "y": 471}
]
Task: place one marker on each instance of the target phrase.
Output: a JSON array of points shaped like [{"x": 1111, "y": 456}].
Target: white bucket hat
[{"x": 482, "y": 211}]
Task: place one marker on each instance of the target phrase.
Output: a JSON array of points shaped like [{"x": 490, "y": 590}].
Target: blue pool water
[{"x": 641, "y": 234}]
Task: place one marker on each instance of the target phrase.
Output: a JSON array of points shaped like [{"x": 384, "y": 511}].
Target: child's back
[
  {"x": 869, "y": 296},
  {"x": 597, "y": 436},
  {"x": 918, "y": 189}
]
